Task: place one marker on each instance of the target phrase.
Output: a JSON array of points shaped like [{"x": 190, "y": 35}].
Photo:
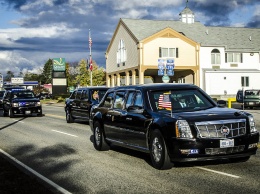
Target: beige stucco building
[{"x": 220, "y": 60}]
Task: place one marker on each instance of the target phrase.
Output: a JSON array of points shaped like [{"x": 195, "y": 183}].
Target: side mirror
[
  {"x": 222, "y": 103},
  {"x": 135, "y": 109}
]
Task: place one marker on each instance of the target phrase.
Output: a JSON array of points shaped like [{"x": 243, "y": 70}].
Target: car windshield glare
[
  {"x": 179, "y": 100},
  {"x": 23, "y": 95}
]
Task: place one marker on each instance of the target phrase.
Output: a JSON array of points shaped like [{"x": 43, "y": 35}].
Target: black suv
[
  {"x": 21, "y": 101},
  {"x": 173, "y": 123},
  {"x": 78, "y": 105}
]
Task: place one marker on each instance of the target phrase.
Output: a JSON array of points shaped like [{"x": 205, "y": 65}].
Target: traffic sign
[
  {"x": 161, "y": 72},
  {"x": 170, "y": 72}
]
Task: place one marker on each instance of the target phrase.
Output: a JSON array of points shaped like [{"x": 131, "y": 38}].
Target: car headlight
[
  {"x": 38, "y": 104},
  {"x": 252, "y": 124},
  {"x": 183, "y": 129},
  {"x": 15, "y": 104}
]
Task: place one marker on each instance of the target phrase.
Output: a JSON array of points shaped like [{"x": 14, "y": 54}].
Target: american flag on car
[{"x": 164, "y": 102}]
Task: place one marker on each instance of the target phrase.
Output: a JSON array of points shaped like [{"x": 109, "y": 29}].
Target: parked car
[
  {"x": 78, "y": 105},
  {"x": 1, "y": 98},
  {"x": 151, "y": 119},
  {"x": 21, "y": 102}
]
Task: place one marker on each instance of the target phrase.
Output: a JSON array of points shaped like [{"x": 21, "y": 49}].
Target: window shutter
[
  {"x": 241, "y": 58},
  {"x": 226, "y": 57},
  {"x": 177, "y": 52},
  {"x": 160, "y": 52}
]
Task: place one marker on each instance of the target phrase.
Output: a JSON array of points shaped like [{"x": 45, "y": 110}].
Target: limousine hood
[{"x": 216, "y": 113}]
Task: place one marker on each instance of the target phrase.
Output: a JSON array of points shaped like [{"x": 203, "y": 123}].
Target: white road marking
[
  {"x": 38, "y": 175},
  {"x": 218, "y": 172},
  {"x": 64, "y": 133}
]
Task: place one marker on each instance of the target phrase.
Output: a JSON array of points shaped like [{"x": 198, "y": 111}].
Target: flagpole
[{"x": 90, "y": 57}]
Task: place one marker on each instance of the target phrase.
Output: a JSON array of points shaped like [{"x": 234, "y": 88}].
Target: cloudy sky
[{"x": 33, "y": 31}]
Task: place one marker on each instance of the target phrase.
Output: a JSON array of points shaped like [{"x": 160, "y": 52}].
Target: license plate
[
  {"x": 226, "y": 143},
  {"x": 251, "y": 103},
  {"x": 27, "y": 112}
]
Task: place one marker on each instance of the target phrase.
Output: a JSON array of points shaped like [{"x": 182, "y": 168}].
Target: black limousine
[{"x": 173, "y": 123}]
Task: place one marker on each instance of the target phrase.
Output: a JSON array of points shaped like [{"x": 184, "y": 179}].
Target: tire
[
  {"x": 242, "y": 159},
  {"x": 99, "y": 141},
  {"x": 158, "y": 151},
  {"x": 10, "y": 113},
  {"x": 69, "y": 118},
  {"x": 5, "y": 113}
]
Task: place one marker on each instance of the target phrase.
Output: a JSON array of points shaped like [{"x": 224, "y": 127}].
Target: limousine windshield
[{"x": 180, "y": 100}]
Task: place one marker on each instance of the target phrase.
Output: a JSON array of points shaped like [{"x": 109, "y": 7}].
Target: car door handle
[{"x": 128, "y": 119}]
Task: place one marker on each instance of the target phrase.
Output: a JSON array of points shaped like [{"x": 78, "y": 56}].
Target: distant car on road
[
  {"x": 21, "y": 102},
  {"x": 173, "y": 123},
  {"x": 80, "y": 102},
  {"x": 250, "y": 98}
]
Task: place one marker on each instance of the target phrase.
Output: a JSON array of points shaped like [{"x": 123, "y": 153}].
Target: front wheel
[
  {"x": 69, "y": 118},
  {"x": 158, "y": 151},
  {"x": 99, "y": 141},
  {"x": 11, "y": 114}
]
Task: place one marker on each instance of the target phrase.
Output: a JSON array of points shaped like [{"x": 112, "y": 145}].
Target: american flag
[
  {"x": 90, "y": 42},
  {"x": 164, "y": 102},
  {"x": 90, "y": 63}
]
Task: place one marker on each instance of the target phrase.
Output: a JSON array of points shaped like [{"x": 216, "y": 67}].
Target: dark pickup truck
[{"x": 250, "y": 98}]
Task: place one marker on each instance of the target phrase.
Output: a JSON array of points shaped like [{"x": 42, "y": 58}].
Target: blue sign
[
  {"x": 170, "y": 72},
  {"x": 169, "y": 66},
  {"x": 161, "y": 72},
  {"x": 170, "y": 61}
]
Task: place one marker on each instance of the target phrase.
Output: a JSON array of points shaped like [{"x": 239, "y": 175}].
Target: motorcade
[
  {"x": 172, "y": 123},
  {"x": 21, "y": 102},
  {"x": 80, "y": 102},
  {"x": 249, "y": 98}
]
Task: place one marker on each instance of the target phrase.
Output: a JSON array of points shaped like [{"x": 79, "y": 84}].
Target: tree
[
  {"x": 9, "y": 75},
  {"x": 98, "y": 75},
  {"x": 47, "y": 72},
  {"x": 82, "y": 78}
]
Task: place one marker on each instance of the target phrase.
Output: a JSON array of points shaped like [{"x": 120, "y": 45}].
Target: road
[{"x": 64, "y": 154}]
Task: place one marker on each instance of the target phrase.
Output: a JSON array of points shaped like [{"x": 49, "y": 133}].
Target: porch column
[
  {"x": 118, "y": 79},
  {"x": 127, "y": 78},
  {"x": 113, "y": 80},
  {"x": 141, "y": 77},
  {"x": 108, "y": 80},
  {"x": 133, "y": 77}
]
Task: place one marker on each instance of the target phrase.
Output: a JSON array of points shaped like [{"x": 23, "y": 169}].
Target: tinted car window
[
  {"x": 119, "y": 100},
  {"x": 97, "y": 95},
  {"x": 129, "y": 99},
  {"x": 138, "y": 99},
  {"x": 108, "y": 101},
  {"x": 176, "y": 100}
]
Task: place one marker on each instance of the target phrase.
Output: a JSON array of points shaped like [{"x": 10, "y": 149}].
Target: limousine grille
[{"x": 221, "y": 128}]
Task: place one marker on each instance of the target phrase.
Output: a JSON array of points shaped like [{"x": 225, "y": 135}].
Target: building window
[
  {"x": 245, "y": 81},
  {"x": 215, "y": 56},
  {"x": 168, "y": 52},
  {"x": 234, "y": 57},
  {"x": 121, "y": 53}
]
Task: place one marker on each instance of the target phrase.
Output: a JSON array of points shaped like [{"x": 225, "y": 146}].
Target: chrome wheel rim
[
  {"x": 156, "y": 149},
  {"x": 97, "y": 135}
]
